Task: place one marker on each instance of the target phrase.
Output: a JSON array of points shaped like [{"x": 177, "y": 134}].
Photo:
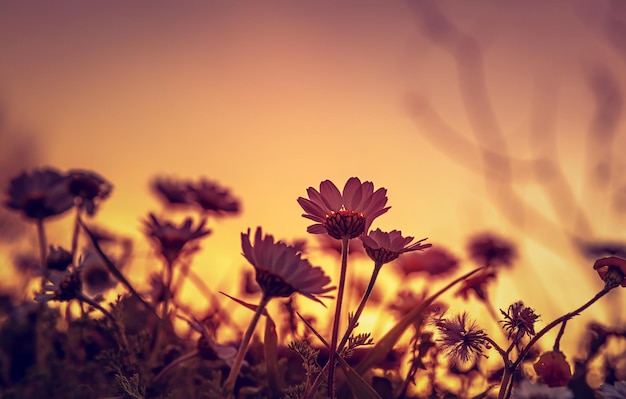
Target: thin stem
[
  {"x": 115, "y": 271},
  {"x": 229, "y": 384},
  {"x": 167, "y": 280},
  {"x": 355, "y": 319},
  {"x": 557, "y": 341},
  {"x": 41, "y": 234},
  {"x": 497, "y": 347},
  {"x": 79, "y": 209},
  {"x": 337, "y": 320}
]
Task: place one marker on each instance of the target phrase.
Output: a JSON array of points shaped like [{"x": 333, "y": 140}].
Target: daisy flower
[
  {"x": 40, "y": 194},
  {"x": 172, "y": 239},
  {"x": 491, "y": 250},
  {"x": 171, "y": 191},
  {"x": 437, "y": 261},
  {"x": 62, "y": 286},
  {"x": 383, "y": 247},
  {"x": 343, "y": 214},
  {"x": 280, "y": 269},
  {"x": 213, "y": 198},
  {"x": 88, "y": 188}
]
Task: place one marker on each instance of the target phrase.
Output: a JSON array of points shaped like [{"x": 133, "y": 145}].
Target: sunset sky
[{"x": 476, "y": 116}]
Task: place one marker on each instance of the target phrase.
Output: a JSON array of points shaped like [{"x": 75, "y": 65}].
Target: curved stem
[
  {"x": 229, "y": 384},
  {"x": 337, "y": 319},
  {"x": 557, "y": 341},
  {"x": 505, "y": 384},
  {"x": 561, "y": 319}
]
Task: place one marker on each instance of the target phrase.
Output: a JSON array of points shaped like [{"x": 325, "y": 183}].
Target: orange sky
[{"x": 271, "y": 99}]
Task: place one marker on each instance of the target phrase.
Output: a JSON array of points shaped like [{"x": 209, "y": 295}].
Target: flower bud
[{"x": 553, "y": 369}]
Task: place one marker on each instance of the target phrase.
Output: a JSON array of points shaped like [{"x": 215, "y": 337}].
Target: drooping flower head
[
  {"x": 89, "y": 188},
  {"x": 343, "y": 214},
  {"x": 280, "y": 269},
  {"x": 519, "y": 320},
  {"x": 436, "y": 262},
  {"x": 40, "y": 194},
  {"x": 172, "y": 239},
  {"x": 617, "y": 268},
  {"x": 211, "y": 197},
  {"x": 461, "y": 339},
  {"x": 384, "y": 247}
]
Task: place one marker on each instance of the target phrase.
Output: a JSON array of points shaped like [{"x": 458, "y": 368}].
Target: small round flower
[
  {"x": 436, "y": 261},
  {"x": 553, "y": 369},
  {"x": 616, "y": 265},
  {"x": 280, "y": 269},
  {"x": 40, "y": 194},
  {"x": 64, "y": 286},
  {"x": 346, "y": 214},
  {"x": 519, "y": 320},
  {"x": 530, "y": 390},
  {"x": 58, "y": 258},
  {"x": 461, "y": 339},
  {"x": 490, "y": 250},
  {"x": 213, "y": 198},
  {"x": 383, "y": 247},
  {"x": 615, "y": 391},
  {"x": 171, "y": 238}
]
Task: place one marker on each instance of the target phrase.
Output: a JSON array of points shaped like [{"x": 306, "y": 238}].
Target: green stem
[
  {"x": 337, "y": 319},
  {"x": 229, "y": 384}
]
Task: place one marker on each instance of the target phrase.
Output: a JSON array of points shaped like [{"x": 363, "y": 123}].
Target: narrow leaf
[{"x": 270, "y": 351}]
